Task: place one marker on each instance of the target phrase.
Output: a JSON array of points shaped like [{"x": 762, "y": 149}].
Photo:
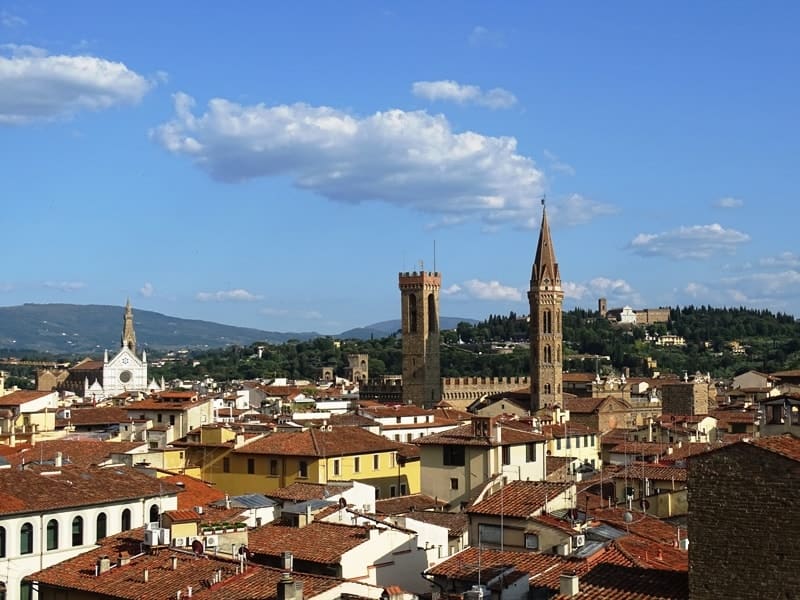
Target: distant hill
[
  {"x": 89, "y": 329},
  {"x": 77, "y": 329},
  {"x": 385, "y": 328}
]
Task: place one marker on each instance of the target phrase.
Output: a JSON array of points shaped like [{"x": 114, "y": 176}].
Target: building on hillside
[
  {"x": 277, "y": 460},
  {"x": 754, "y": 379},
  {"x": 545, "y": 298},
  {"x": 52, "y": 513},
  {"x": 419, "y": 298},
  {"x": 24, "y": 414},
  {"x": 744, "y": 520},
  {"x": 458, "y": 462}
]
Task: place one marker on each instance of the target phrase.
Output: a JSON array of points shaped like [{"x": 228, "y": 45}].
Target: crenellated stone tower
[
  {"x": 546, "y": 299},
  {"x": 419, "y": 297}
]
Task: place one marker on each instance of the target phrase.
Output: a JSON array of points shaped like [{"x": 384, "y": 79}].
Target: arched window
[
  {"x": 2, "y": 542},
  {"x": 77, "y": 531},
  {"x": 52, "y": 534},
  {"x": 126, "y": 519},
  {"x": 547, "y": 388},
  {"x": 101, "y": 526},
  {"x": 154, "y": 513},
  {"x": 548, "y": 354},
  {"x": 26, "y": 539},
  {"x": 412, "y": 313},
  {"x": 547, "y": 324},
  {"x": 433, "y": 322}
]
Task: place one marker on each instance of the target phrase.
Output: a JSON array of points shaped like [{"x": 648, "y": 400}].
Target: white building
[{"x": 52, "y": 513}]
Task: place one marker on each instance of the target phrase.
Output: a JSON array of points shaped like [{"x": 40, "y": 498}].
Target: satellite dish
[
  {"x": 197, "y": 547},
  {"x": 627, "y": 517}
]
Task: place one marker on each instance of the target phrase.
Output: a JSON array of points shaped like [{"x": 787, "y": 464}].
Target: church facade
[{"x": 125, "y": 371}]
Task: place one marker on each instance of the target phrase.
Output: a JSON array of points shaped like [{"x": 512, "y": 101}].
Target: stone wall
[{"x": 744, "y": 525}]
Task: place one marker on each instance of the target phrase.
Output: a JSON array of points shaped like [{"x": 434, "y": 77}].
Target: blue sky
[{"x": 276, "y": 166}]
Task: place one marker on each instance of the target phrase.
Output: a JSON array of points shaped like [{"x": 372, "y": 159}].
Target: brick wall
[{"x": 744, "y": 525}]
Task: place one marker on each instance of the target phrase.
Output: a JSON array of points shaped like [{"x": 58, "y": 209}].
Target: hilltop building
[{"x": 546, "y": 299}]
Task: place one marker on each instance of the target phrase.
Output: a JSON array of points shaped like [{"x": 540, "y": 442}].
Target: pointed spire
[
  {"x": 128, "y": 334},
  {"x": 545, "y": 268}
]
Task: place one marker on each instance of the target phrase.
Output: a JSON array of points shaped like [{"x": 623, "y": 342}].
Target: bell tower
[
  {"x": 546, "y": 299},
  {"x": 419, "y": 299},
  {"x": 128, "y": 339}
]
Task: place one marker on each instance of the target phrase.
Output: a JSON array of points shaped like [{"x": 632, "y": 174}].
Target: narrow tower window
[
  {"x": 433, "y": 321},
  {"x": 412, "y": 313}
]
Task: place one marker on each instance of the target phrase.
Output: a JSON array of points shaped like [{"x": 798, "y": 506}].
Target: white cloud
[
  {"x": 784, "y": 259},
  {"x": 410, "y": 159},
  {"x": 577, "y": 210},
  {"x": 147, "y": 289},
  {"x": 38, "y": 87},
  {"x": 6, "y": 287},
  {"x": 238, "y": 295},
  {"x": 10, "y": 20},
  {"x": 615, "y": 290},
  {"x": 556, "y": 165},
  {"x": 696, "y": 290},
  {"x": 491, "y": 290},
  {"x": 693, "y": 242},
  {"x": 65, "y": 286},
  {"x": 482, "y": 36},
  {"x": 729, "y": 202},
  {"x": 452, "y": 91},
  {"x": 451, "y": 290}
]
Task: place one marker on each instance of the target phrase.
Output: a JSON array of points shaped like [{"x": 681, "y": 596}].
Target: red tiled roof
[
  {"x": 396, "y": 410},
  {"x": 75, "y": 486},
  {"x": 318, "y": 542},
  {"x": 474, "y": 563},
  {"x": 21, "y": 397},
  {"x": 194, "y": 492},
  {"x": 652, "y": 472},
  {"x": 560, "y": 430},
  {"x": 786, "y": 445},
  {"x": 74, "y": 452},
  {"x": 183, "y": 516},
  {"x": 609, "y": 581},
  {"x": 519, "y": 498},
  {"x": 300, "y": 491},
  {"x": 101, "y": 415},
  {"x": 464, "y": 436},
  {"x": 583, "y": 405},
  {"x": 642, "y": 525},
  {"x": 126, "y": 582},
  {"x": 456, "y": 523},
  {"x": 403, "y": 504},
  {"x": 342, "y": 441},
  {"x": 655, "y": 555}
]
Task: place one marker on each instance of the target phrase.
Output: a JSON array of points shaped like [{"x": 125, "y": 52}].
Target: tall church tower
[
  {"x": 128, "y": 334},
  {"x": 419, "y": 298},
  {"x": 546, "y": 298}
]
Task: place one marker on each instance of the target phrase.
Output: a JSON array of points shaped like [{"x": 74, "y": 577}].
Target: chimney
[
  {"x": 227, "y": 502},
  {"x": 59, "y": 461},
  {"x": 146, "y": 575},
  {"x": 287, "y": 561},
  {"x": 569, "y": 585},
  {"x": 189, "y": 592},
  {"x": 103, "y": 565},
  {"x": 174, "y": 562},
  {"x": 287, "y": 588},
  {"x": 123, "y": 559},
  {"x": 498, "y": 435}
]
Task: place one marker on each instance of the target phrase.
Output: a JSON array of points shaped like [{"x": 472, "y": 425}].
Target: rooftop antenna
[{"x": 434, "y": 256}]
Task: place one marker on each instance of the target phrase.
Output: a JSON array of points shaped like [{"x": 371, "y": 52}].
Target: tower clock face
[{"x": 125, "y": 376}]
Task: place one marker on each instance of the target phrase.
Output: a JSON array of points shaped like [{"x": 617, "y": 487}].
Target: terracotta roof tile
[
  {"x": 653, "y": 472},
  {"x": 456, "y": 523},
  {"x": 464, "y": 436},
  {"x": 126, "y": 582},
  {"x": 642, "y": 525},
  {"x": 786, "y": 445},
  {"x": 21, "y": 397},
  {"x": 342, "y": 441},
  {"x": 317, "y": 542},
  {"x": 100, "y": 415},
  {"x": 194, "y": 492},
  {"x": 74, "y": 452},
  {"x": 301, "y": 491},
  {"x": 75, "y": 486},
  {"x": 404, "y": 504},
  {"x": 519, "y": 498}
]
